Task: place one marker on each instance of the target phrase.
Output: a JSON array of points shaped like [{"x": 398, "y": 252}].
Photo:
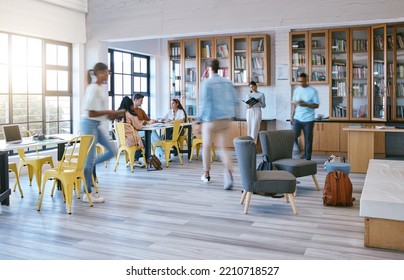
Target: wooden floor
[{"x": 171, "y": 214}]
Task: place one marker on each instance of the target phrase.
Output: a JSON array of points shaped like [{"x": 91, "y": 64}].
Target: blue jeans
[
  {"x": 308, "y": 136},
  {"x": 89, "y": 126}
]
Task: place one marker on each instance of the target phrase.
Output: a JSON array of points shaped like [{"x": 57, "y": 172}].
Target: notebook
[{"x": 12, "y": 134}]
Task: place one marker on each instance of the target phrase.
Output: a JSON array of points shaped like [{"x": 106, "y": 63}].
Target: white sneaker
[
  {"x": 95, "y": 198},
  {"x": 205, "y": 179},
  {"x": 228, "y": 180},
  {"x": 138, "y": 163}
]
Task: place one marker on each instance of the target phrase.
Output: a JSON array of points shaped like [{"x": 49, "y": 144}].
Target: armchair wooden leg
[
  {"x": 243, "y": 197},
  {"x": 292, "y": 201},
  {"x": 247, "y": 204},
  {"x": 315, "y": 182}
]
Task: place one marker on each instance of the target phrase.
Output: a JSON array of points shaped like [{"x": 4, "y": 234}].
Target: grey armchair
[
  {"x": 278, "y": 146},
  {"x": 272, "y": 181}
]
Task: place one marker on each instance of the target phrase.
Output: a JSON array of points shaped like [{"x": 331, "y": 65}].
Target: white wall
[{"x": 145, "y": 26}]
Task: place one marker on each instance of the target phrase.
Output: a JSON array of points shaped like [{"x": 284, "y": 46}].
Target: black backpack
[{"x": 265, "y": 164}]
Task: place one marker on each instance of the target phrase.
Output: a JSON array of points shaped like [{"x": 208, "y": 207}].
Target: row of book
[
  {"x": 298, "y": 59},
  {"x": 339, "y": 89},
  {"x": 339, "y": 111},
  {"x": 190, "y": 91},
  {"x": 400, "y": 90},
  {"x": 338, "y": 71},
  {"x": 239, "y": 62},
  {"x": 175, "y": 52},
  {"x": 317, "y": 59},
  {"x": 360, "y": 45},
  {"x": 318, "y": 76},
  {"x": 361, "y": 112},
  {"x": 258, "y": 78},
  {"x": 258, "y": 62},
  {"x": 190, "y": 75},
  {"x": 400, "y": 111},
  {"x": 359, "y": 90},
  {"x": 378, "y": 70},
  {"x": 338, "y": 45},
  {"x": 206, "y": 52},
  {"x": 240, "y": 77},
  {"x": 359, "y": 72}
]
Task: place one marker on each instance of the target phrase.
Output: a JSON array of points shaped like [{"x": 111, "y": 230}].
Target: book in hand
[
  {"x": 298, "y": 102},
  {"x": 251, "y": 102}
]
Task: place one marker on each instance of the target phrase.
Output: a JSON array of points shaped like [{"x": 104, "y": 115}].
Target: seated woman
[
  {"x": 176, "y": 112},
  {"x": 132, "y": 119}
]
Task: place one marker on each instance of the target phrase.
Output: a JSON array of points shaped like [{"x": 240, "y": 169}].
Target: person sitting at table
[
  {"x": 141, "y": 114},
  {"x": 176, "y": 112},
  {"x": 131, "y": 118}
]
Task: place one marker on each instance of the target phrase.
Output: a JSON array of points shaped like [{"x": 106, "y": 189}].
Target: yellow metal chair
[
  {"x": 129, "y": 151},
  {"x": 34, "y": 163},
  {"x": 12, "y": 167},
  {"x": 196, "y": 145},
  {"x": 70, "y": 172},
  {"x": 184, "y": 138},
  {"x": 167, "y": 144}
]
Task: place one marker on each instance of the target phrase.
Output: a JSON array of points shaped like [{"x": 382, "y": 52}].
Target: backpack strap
[{"x": 334, "y": 189}]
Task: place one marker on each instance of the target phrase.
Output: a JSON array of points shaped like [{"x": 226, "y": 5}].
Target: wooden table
[
  {"x": 59, "y": 139},
  {"x": 361, "y": 146}
]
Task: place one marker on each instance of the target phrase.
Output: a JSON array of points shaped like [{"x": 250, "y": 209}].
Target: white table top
[
  {"x": 155, "y": 126},
  {"x": 383, "y": 192},
  {"x": 29, "y": 142}
]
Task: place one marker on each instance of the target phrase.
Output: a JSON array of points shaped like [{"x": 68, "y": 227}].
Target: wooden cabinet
[
  {"x": 309, "y": 54},
  {"x": 239, "y": 128},
  {"x": 183, "y": 73},
  {"x": 251, "y": 57},
  {"x": 326, "y": 137},
  {"x": 219, "y": 48}
]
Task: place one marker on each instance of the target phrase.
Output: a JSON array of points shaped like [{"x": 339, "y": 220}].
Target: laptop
[{"x": 12, "y": 134}]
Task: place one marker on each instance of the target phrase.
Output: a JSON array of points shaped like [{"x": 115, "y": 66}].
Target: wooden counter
[{"x": 361, "y": 146}]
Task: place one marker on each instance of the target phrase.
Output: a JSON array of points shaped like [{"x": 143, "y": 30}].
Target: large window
[
  {"x": 35, "y": 84},
  {"x": 130, "y": 74}
]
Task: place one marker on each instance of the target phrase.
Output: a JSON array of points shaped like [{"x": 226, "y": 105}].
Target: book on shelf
[
  {"x": 252, "y": 101},
  {"x": 260, "y": 45}
]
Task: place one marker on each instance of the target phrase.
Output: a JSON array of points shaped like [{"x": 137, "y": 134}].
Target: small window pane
[
  {"x": 34, "y": 52},
  {"x": 52, "y": 128},
  {"x": 3, "y": 48},
  {"x": 118, "y": 100},
  {"x": 117, "y": 62},
  {"x": 64, "y": 108},
  {"x": 118, "y": 84},
  {"x": 35, "y": 108},
  {"x": 3, "y": 79},
  {"x": 51, "y": 106},
  {"x": 35, "y": 128},
  {"x": 136, "y": 64},
  {"x": 20, "y": 108},
  {"x": 51, "y": 80},
  {"x": 19, "y": 79},
  {"x": 4, "y": 109},
  {"x": 127, "y": 84},
  {"x": 127, "y": 63},
  {"x": 51, "y": 54},
  {"x": 143, "y": 67},
  {"x": 63, "y": 80},
  {"x": 143, "y": 83},
  {"x": 136, "y": 84},
  {"x": 35, "y": 80},
  {"x": 63, "y": 56},
  {"x": 64, "y": 127},
  {"x": 19, "y": 50}
]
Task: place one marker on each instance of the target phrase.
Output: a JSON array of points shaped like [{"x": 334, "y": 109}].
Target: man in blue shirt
[
  {"x": 218, "y": 100},
  {"x": 305, "y": 100}
]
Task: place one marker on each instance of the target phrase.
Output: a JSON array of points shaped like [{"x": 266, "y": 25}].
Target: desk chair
[
  {"x": 197, "y": 144},
  {"x": 278, "y": 146},
  {"x": 167, "y": 144},
  {"x": 70, "y": 173},
  {"x": 253, "y": 181}
]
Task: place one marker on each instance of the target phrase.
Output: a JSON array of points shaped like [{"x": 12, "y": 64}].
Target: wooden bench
[{"x": 382, "y": 204}]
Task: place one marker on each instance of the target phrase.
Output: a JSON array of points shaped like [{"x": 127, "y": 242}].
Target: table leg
[
  {"x": 147, "y": 148},
  {"x": 189, "y": 141}
]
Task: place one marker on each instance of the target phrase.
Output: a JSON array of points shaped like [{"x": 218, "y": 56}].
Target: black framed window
[
  {"x": 35, "y": 84},
  {"x": 130, "y": 74}
]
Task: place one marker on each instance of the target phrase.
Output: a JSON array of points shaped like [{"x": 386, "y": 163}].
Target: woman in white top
[
  {"x": 254, "y": 113},
  {"x": 176, "y": 112},
  {"x": 94, "y": 112}
]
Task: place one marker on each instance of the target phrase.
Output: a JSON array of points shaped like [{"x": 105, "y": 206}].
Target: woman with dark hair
[
  {"x": 254, "y": 111},
  {"x": 131, "y": 118},
  {"x": 94, "y": 112}
]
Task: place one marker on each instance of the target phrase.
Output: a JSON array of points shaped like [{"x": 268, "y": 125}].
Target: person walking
[
  {"x": 94, "y": 112},
  {"x": 218, "y": 101},
  {"x": 254, "y": 112},
  {"x": 304, "y": 102}
]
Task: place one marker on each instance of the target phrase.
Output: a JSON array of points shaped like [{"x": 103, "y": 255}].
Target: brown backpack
[
  {"x": 154, "y": 164},
  {"x": 337, "y": 189}
]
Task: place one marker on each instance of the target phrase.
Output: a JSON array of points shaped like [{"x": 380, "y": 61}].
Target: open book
[{"x": 252, "y": 101}]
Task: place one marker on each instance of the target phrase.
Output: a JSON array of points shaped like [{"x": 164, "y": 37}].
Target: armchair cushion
[{"x": 298, "y": 167}]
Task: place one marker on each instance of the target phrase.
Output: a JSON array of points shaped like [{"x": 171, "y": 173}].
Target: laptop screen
[{"x": 12, "y": 133}]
